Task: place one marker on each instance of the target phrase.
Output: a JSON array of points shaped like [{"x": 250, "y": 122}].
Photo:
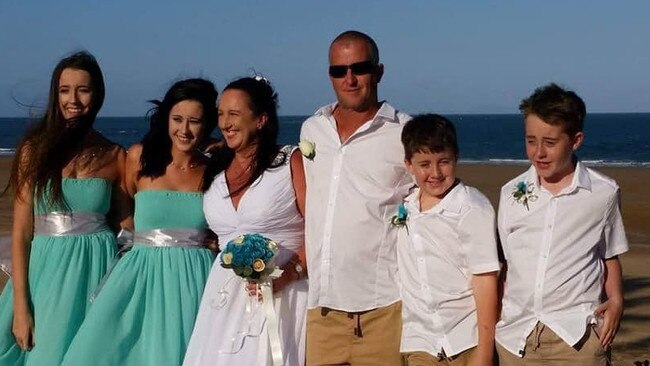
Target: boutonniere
[
  {"x": 524, "y": 193},
  {"x": 399, "y": 220},
  {"x": 308, "y": 149}
]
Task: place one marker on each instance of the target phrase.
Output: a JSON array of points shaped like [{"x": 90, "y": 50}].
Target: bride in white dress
[{"x": 258, "y": 188}]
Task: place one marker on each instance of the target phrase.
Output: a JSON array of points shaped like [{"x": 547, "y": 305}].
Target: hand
[
  {"x": 23, "y": 329},
  {"x": 611, "y": 312},
  {"x": 254, "y": 290},
  {"x": 211, "y": 241},
  {"x": 288, "y": 275},
  {"x": 212, "y": 145},
  {"x": 482, "y": 357}
]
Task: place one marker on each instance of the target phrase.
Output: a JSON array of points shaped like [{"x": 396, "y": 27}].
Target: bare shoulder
[
  {"x": 101, "y": 144},
  {"x": 133, "y": 154}
]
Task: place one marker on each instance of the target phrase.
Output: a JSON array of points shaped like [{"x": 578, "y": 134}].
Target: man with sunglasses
[{"x": 356, "y": 179}]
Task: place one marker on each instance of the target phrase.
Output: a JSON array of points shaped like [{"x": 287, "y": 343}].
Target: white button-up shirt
[
  {"x": 443, "y": 247},
  {"x": 555, "y": 252},
  {"x": 353, "y": 190}
]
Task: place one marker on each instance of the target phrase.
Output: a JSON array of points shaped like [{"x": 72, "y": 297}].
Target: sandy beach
[{"x": 633, "y": 340}]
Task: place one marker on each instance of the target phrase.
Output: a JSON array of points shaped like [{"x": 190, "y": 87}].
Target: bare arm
[
  {"x": 122, "y": 203},
  {"x": 612, "y": 309},
  {"x": 131, "y": 169},
  {"x": 298, "y": 180},
  {"x": 299, "y": 187},
  {"x": 22, "y": 233},
  {"x": 290, "y": 273},
  {"x": 486, "y": 298}
]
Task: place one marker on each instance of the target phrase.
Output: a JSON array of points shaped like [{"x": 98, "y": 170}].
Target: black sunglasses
[{"x": 357, "y": 68}]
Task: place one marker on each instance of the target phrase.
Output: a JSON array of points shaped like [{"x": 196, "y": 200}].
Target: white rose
[
  {"x": 226, "y": 258},
  {"x": 307, "y": 148}
]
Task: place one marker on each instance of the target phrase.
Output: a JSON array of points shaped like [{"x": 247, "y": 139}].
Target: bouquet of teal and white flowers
[{"x": 251, "y": 256}]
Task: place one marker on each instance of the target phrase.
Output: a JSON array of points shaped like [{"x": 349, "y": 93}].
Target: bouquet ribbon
[
  {"x": 272, "y": 325},
  {"x": 271, "y": 319}
]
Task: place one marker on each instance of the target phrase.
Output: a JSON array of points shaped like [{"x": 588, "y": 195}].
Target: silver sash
[
  {"x": 169, "y": 238},
  {"x": 127, "y": 239},
  {"x": 69, "y": 223}
]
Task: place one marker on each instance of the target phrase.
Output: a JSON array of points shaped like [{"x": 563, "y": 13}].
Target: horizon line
[{"x": 307, "y": 115}]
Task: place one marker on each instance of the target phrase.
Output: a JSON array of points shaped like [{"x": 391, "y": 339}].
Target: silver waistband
[
  {"x": 170, "y": 238},
  {"x": 126, "y": 239},
  {"x": 69, "y": 223}
]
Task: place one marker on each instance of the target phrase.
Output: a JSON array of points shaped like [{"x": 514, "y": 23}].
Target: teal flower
[
  {"x": 524, "y": 193},
  {"x": 401, "y": 217},
  {"x": 249, "y": 255}
]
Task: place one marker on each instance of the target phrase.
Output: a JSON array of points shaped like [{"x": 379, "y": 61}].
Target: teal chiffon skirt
[
  {"x": 63, "y": 273},
  {"x": 145, "y": 312}
]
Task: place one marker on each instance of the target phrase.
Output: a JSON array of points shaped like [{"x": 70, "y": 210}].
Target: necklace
[
  {"x": 189, "y": 166},
  {"x": 89, "y": 154}
]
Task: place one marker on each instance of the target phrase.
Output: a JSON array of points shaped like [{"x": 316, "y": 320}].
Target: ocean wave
[
  {"x": 489, "y": 161},
  {"x": 605, "y": 163},
  {"x": 7, "y": 151}
]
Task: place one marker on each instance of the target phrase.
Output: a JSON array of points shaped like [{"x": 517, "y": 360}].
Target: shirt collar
[
  {"x": 385, "y": 113},
  {"x": 580, "y": 179},
  {"x": 451, "y": 202}
]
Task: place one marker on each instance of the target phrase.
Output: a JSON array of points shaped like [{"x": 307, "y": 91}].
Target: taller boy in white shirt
[
  {"x": 447, "y": 255},
  {"x": 561, "y": 230}
]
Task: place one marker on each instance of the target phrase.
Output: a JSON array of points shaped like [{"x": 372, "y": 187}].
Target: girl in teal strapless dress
[
  {"x": 66, "y": 177},
  {"x": 144, "y": 313}
]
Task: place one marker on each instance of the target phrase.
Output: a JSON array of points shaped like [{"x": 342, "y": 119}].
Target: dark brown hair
[
  {"x": 50, "y": 144},
  {"x": 429, "y": 132},
  {"x": 556, "y": 106},
  {"x": 156, "y": 144},
  {"x": 262, "y": 100}
]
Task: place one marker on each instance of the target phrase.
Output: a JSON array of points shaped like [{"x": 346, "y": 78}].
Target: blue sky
[{"x": 445, "y": 57}]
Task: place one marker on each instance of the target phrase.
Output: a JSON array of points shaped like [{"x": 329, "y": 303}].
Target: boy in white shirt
[
  {"x": 447, "y": 255},
  {"x": 561, "y": 231}
]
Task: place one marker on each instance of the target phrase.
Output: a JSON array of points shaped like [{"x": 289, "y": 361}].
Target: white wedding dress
[{"x": 231, "y": 328}]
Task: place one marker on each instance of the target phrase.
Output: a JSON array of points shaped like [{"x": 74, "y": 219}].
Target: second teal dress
[{"x": 144, "y": 313}]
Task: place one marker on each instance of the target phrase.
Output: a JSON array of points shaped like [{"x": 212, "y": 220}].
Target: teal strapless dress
[
  {"x": 63, "y": 271},
  {"x": 144, "y": 314}
]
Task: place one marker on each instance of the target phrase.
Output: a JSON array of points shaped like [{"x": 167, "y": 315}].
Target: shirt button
[{"x": 421, "y": 260}]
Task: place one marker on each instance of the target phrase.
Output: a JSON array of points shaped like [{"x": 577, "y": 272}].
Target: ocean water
[{"x": 611, "y": 139}]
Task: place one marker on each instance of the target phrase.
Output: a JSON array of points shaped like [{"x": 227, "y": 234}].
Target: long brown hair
[
  {"x": 50, "y": 144},
  {"x": 262, "y": 99}
]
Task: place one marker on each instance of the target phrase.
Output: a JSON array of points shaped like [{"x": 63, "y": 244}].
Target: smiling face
[
  {"x": 355, "y": 92},
  {"x": 237, "y": 122},
  {"x": 186, "y": 125},
  {"x": 550, "y": 149},
  {"x": 435, "y": 174},
  {"x": 75, "y": 93}
]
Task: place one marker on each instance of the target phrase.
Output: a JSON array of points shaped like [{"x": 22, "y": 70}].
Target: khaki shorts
[
  {"x": 365, "y": 338},
  {"x": 544, "y": 347},
  {"x": 425, "y": 359}
]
